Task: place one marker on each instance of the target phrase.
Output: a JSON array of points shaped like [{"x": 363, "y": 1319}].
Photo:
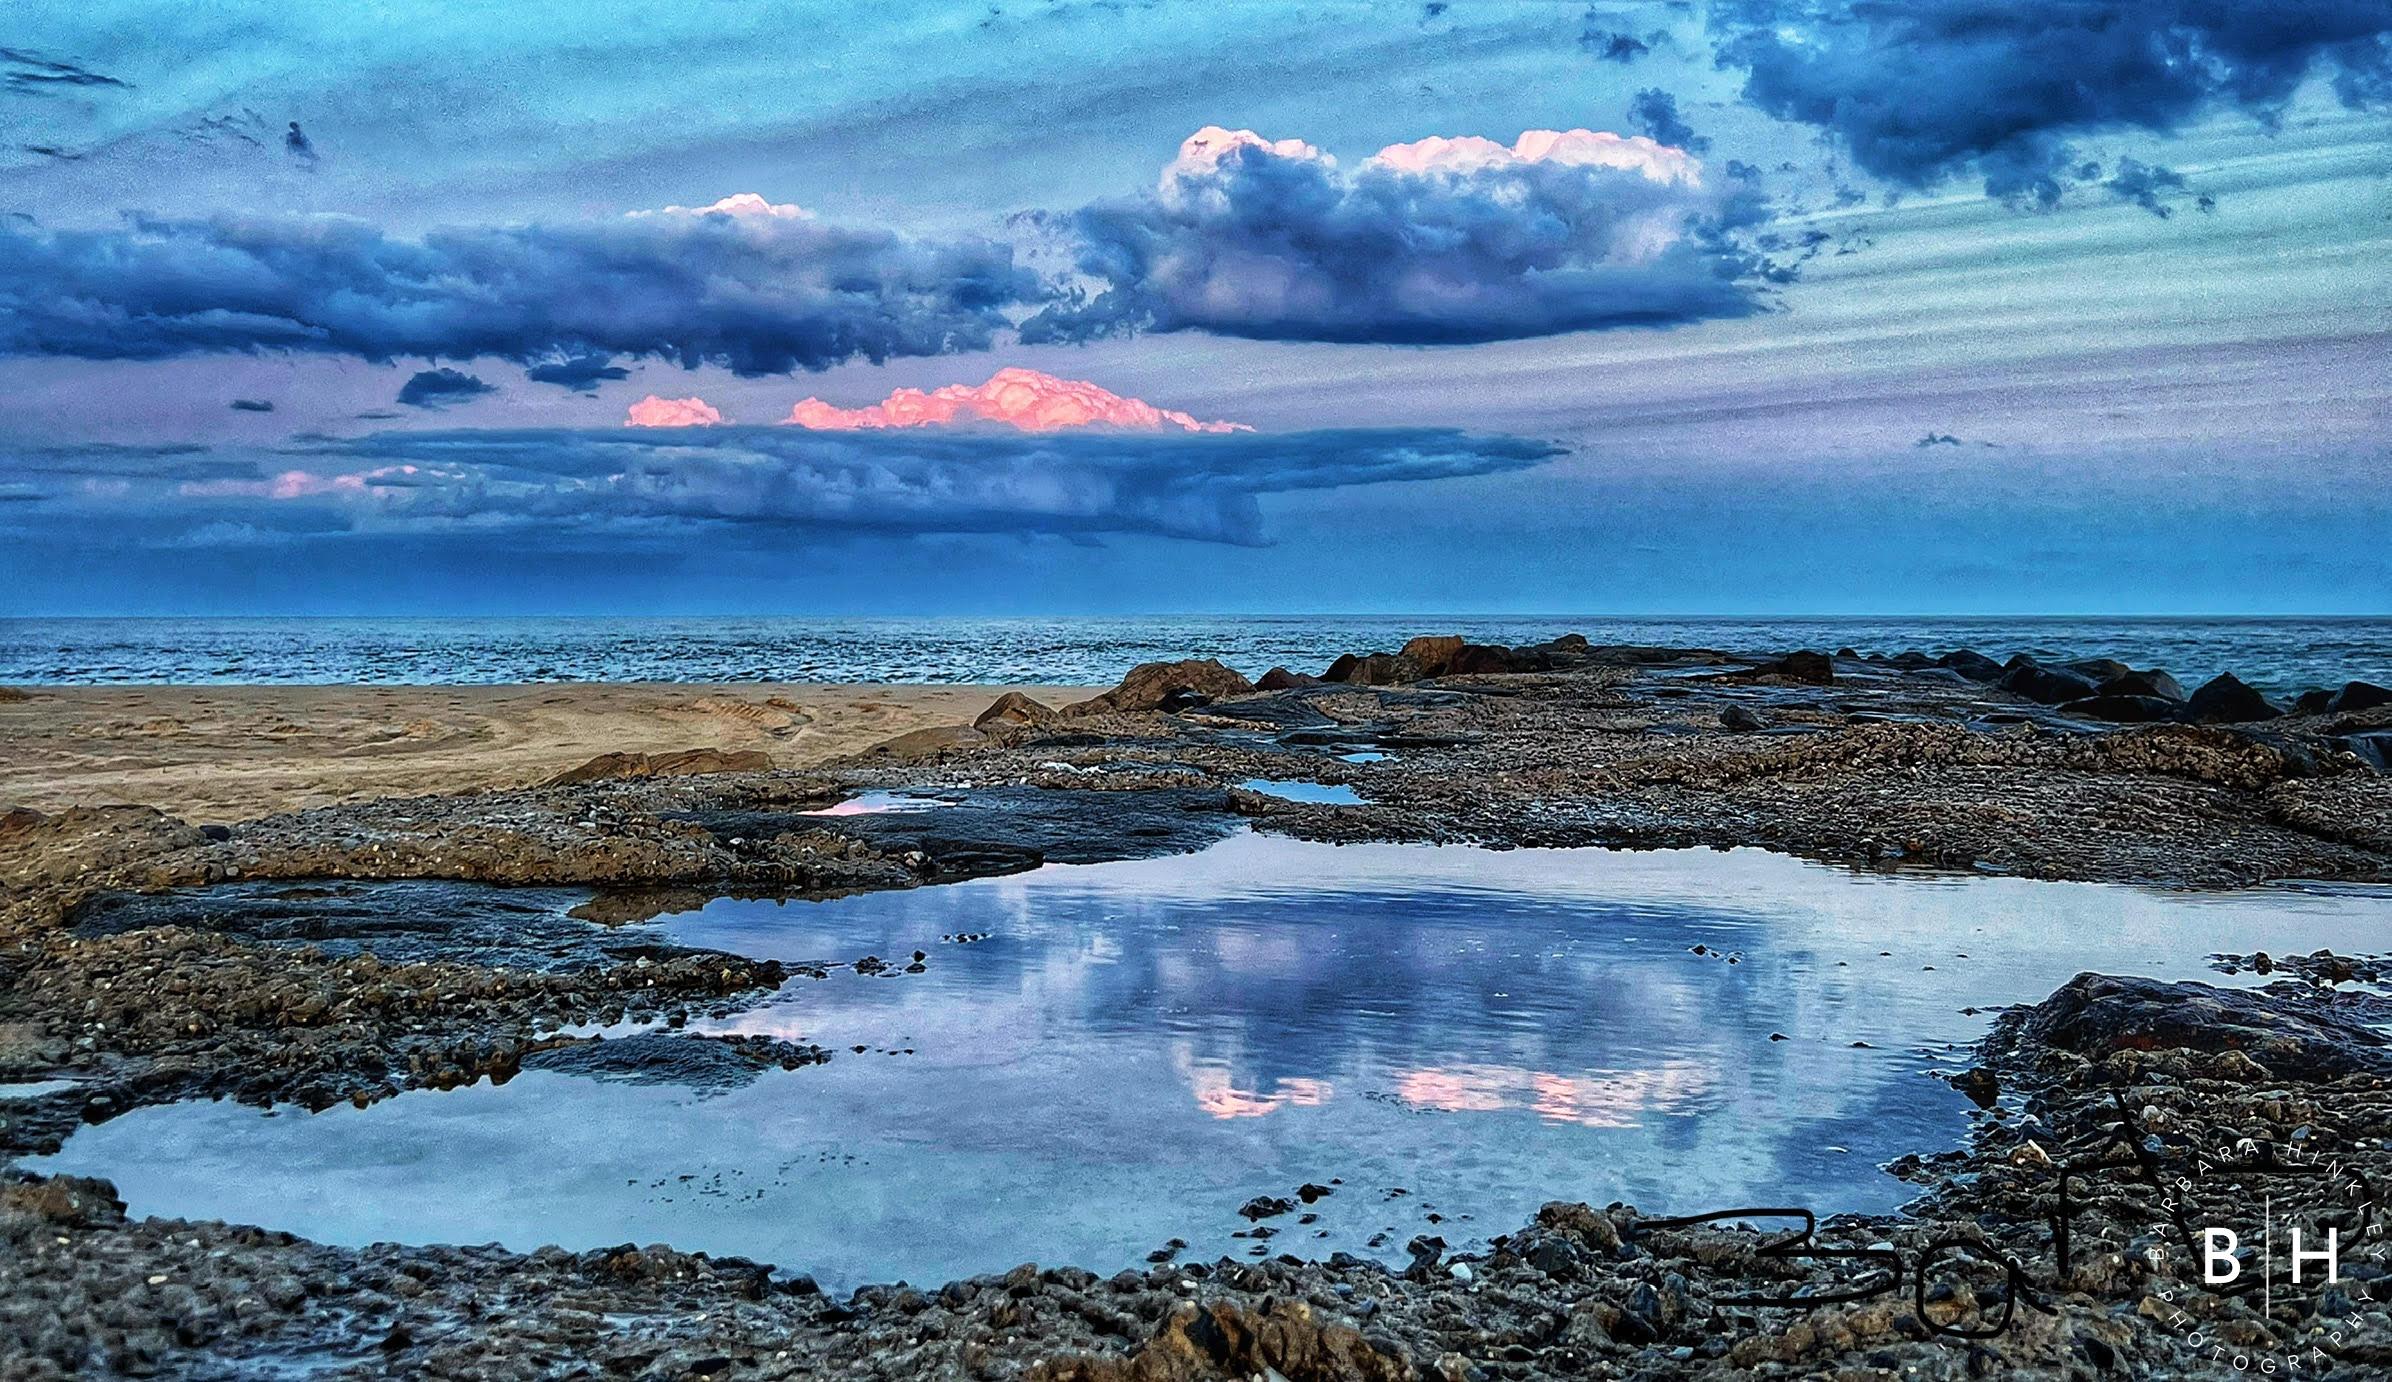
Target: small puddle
[
  {"x": 1317, "y": 793},
  {"x": 1366, "y": 756},
  {"x": 881, "y": 804},
  {"x": 1097, "y": 1059}
]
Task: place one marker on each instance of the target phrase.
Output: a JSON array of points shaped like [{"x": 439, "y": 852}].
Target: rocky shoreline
[{"x": 109, "y": 980}]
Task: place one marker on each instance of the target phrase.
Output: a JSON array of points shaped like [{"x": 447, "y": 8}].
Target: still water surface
[{"x": 1136, "y": 1049}]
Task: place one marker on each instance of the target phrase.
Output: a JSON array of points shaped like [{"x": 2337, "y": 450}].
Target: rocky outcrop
[
  {"x": 1166, "y": 686},
  {"x": 1014, "y": 708},
  {"x": 2046, "y": 685},
  {"x": 1809, "y": 668},
  {"x": 1281, "y": 679},
  {"x": 2358, "y": 695},
  {"x": 1224, "y": 1340},
  {"x": 2294, "y": 1034},
  {"x": 608, "y": 767},
  {"x": 2225, "y": 700},
  {"x": 2123, "y": 709}
]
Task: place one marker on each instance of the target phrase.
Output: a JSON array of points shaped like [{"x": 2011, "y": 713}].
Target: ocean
[{"x": 2282, "y": 655}]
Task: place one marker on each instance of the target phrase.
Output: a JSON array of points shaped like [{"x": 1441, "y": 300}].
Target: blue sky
[{"x": 1957, "y": 306}]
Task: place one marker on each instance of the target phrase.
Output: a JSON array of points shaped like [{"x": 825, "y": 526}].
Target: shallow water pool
[{"x": 1451, "y": 1036}]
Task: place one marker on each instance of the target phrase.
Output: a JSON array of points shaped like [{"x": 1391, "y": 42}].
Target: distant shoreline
[{"x": 221, "y": 753}]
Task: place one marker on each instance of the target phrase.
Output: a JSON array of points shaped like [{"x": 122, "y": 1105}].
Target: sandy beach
[{"x": 224, "y": 753}]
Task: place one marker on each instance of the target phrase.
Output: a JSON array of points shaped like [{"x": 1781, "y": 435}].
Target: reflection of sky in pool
[
  {"x": 879, "y": 803},
  {"x": 1138, "y": 1048},
  {"x": 1323, "y": 793}
]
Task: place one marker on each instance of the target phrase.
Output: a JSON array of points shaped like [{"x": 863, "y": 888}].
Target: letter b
[{"x": 2217, "y": 1251}]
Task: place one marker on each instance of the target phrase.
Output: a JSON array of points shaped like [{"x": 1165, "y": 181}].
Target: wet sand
[{"x": 229, "y": 753}]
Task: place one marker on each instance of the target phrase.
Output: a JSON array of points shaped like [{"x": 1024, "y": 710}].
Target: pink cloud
[
  {"x": 740, "y": 204},
  {"x": 1015, "y": 397},
  {"x": 672, "y": 412},
  {"x": 1658, "y": 162}
]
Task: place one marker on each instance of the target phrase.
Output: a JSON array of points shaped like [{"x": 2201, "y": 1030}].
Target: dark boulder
[
  {"x": 1281, "y": 679},
  {"x": 1481, "y": 659},
  {"x": 2312, "y": 702},
  {"x": 1740, "y": 717},
  {"x": 2358, "y": 695},
  {"x": 2225, "y": 700},
  {"x": 1376, "y": 669},
  {"x": 2124, "y": 710},
  {"x": 2296, "y": 1035},
  {"x": 2046, "y": 685},
  {"x": 2096, "y": 669},
  {"x": 1971, "y": 664},
  {"x": 1815, "y": 669},
  {"x": 1911, "y": 661},
  {"x": 2152, "y": 683}
]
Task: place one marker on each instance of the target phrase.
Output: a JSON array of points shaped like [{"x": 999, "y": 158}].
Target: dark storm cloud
[
  {"x": 1654, "y": 113},
  {"x": 433, "y": 388},
  {"x": 1272, "y": 245},
  {"x": 542, "y": 486},
  {"x": 1927, "y": 90},
  {"x": 758, "y": 296},
  {"x": 253, "y": 405},
  {"x": 580, "y": 373},
  {"x": 2143, "y": 183}
]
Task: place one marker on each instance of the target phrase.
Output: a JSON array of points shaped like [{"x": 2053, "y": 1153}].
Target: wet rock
[
  {"x": 1266, "y": 1207},
  {"x": 2225, "y": 699},
  {"x": 1815, "y": 669},
  {"x": 1971, "y": 664},
  {"x": 2153, "y": 683},
  {"x": 687, "y": 763},
  {"x": 694, "y": 1062},
  {"x": 2358, "y": 695},
  {"x": 1014, "y": 708},
  {"x": 1151, "y": 684},
  {"x": 2303, "y": 1034},
  {"x": 2047, "y": 685},
  {"x": 1982, "y": 1086}
]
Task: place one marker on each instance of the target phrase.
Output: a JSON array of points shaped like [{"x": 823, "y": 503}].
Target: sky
[{"x": 1754, "y": 306}]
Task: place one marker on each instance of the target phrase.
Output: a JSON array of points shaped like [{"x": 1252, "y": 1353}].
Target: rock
[
  {"x": 1814, "y": 668},
  {"x": 1151, "y": 685},
  {"x": 1971, "y": 664},
  {"x": 1265, "y": 1207},
  {"x": 1433, "y": 654},
  {"x": 1281, "y": 679},
  {"x": 1483, "y": 659},
  {"x": 1377, "y": 669},
  {"x": 2097, "y": 669},
  {"x": 2312, "y": 702},
  {"x": 2309, "y": 1036},
  {"x": 2153, "y": 683},
  {"x": 2123, "y": 710},
  {"x": 2047, "y": 685},
  {"x": 1980, "y": 1085},
  {"x": 1014, "y": 708},
  {"x": 2225, "y": 700},
  {"x": 687, "y": 763},
  {"x": 1741, "y": 717},
  {"x": 2358, "y": 695}
]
